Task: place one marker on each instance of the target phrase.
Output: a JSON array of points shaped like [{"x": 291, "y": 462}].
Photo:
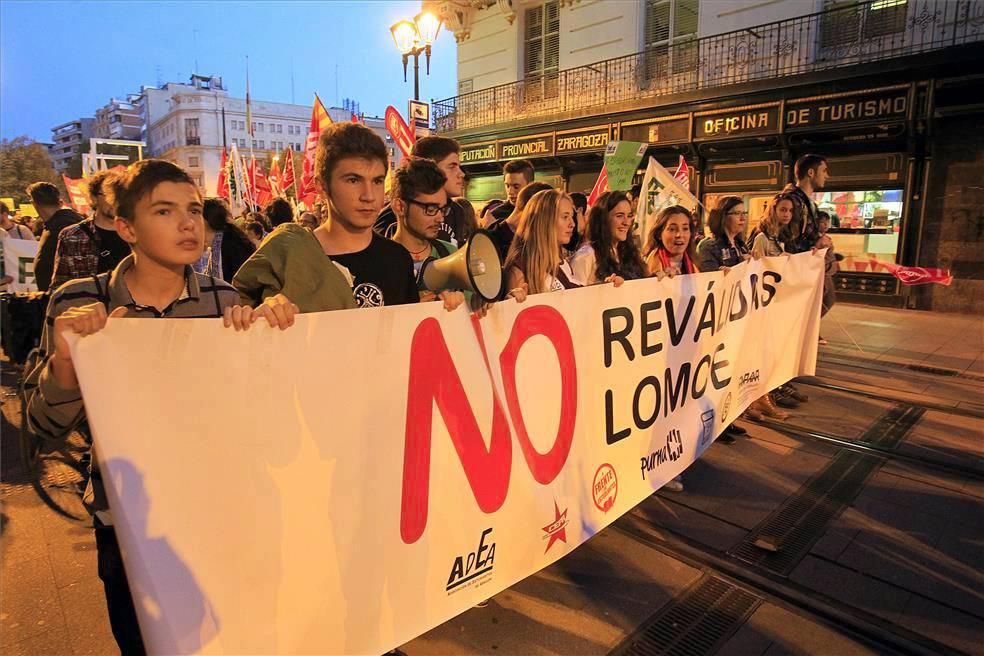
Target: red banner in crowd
[
  {"x": 399, "y": 130},
  {"x": 287, "y": 179},
  {"x": 78, "y": 194},
  {"x": 320, "y": 120}
]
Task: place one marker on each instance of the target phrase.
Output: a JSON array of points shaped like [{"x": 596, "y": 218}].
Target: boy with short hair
[
  {"x": 158, "y": 212},
  {"x": 55, "y": 218},
  {"x": 515, "y": 175},
  {"x": 342, "y": 263}
]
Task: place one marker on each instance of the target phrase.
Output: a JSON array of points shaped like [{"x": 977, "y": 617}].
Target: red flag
[
  {"x": 600, "y": 187},
  {"x": 275, "y": 176},
  {"x": 399, "y": 130},
  {"x": 320, "y": 120},
  {"x": 222, "y": 186},
  {"x": 77, "y": 194},
  {"x": 683, "y": 173},
  {"x": 287, "y": 180},
  {"x": 915, "y": 275},
  {"x": 259, "y": 184}
]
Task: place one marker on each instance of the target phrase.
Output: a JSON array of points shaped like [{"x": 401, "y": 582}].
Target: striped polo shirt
[{"x": 53, "y": 412}]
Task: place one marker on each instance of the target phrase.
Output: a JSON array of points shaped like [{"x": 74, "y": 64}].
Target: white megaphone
[{"x": 476, "y": 268}]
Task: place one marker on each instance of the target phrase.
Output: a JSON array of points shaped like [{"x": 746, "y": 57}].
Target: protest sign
[
  {"x": 18, "y": 262},
  {"x": 405, "y": 463}
]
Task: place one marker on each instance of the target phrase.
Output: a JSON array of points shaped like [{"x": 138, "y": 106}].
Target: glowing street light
[{"x": 414, "y": 38}]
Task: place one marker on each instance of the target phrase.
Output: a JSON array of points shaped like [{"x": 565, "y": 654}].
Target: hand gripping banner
[{"x": 353, "y": 481}]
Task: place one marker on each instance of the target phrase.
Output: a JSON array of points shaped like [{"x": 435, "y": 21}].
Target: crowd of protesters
[{"x": 154, "y": 247}]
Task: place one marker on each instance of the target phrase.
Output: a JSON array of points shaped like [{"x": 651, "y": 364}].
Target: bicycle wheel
[{"x": 57, "y": 470}]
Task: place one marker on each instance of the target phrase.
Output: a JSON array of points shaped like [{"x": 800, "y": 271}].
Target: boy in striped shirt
[{"x": 159, "y": 213}]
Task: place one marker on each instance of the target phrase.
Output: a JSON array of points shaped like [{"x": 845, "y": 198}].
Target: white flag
[{"x": 659, "y": 189}]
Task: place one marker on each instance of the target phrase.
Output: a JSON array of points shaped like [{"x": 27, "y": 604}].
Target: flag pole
[{"x": 252, "y": 138}]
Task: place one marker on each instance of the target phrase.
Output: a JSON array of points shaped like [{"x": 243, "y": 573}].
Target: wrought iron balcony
[{"x": 866, "y": 32}]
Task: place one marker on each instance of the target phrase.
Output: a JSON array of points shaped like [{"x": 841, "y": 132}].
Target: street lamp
[{"x": 415, "y": 38}]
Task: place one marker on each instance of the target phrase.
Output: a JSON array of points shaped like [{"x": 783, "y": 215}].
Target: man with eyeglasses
[
  {"x": 420, "y": 204},
  {"x": 92, "y": 246}
]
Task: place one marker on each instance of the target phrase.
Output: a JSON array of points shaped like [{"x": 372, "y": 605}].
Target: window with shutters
[
  {"x": 671, "y": 37},
  {"x": 541, "y": 51},
  {"x": 849, "y": 23},
  {"x": 191, "y": 132}
]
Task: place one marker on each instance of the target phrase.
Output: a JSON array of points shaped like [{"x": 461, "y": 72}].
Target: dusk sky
[{"x": 63, "y": 60}]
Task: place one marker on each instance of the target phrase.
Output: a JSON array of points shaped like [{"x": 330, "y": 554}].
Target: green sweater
[{"x": 290, "y": 261}]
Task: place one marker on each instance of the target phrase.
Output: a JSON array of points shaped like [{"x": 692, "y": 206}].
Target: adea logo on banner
[
  {"x": 475, "y": 568},
  {"x": 433, "y": 380}
]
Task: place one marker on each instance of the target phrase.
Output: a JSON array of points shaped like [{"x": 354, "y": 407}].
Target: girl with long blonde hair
[{"x": 535, "y": 262}]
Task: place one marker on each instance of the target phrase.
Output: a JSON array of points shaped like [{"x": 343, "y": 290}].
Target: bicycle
[{"x": 58, "y": 468}]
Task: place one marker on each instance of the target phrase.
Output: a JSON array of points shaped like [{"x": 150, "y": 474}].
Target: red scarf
[{"x": 688, "y": 265}]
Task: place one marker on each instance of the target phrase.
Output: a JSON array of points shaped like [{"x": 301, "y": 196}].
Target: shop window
[{"x": 865, "y": 226}]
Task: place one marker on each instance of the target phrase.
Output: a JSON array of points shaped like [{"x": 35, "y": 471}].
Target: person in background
[
  {"x": 726, "y": 247},
  {"x": 91, "y": 246},
  {"x": 831, "y": 258},
  {"x": 11, "y": 228},
  {"x": 485, "y": 214},
  {"x": 255, "y": 233},
  {"x": 55, "y": 218},
  {"x": 580, "y": 221},
  {"x": 279, "y": 211},
  {"x": 609, "y": 248},
  {"x": 469, "y": 222},
  {"x": 515, "y": 175},
  {"x": 309, "y": 220},
  {"x": 772, "y": 231},
  {"x": 445, "y": 153},
  {"x": 502, "y": 232},
  {"x": 811, "y": 176},
  {"x": 227, "y": 247}
]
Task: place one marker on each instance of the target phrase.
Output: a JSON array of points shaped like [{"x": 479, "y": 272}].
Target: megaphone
[{"x": 476, "y": 268}]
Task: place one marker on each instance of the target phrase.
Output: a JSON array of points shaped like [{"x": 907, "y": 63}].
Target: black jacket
[
  {"x": 236, "y": 249},
  {"x": 44, "y": 261}
]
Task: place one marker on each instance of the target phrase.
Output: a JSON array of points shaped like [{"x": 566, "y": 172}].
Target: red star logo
[{"x": 557, "y": 529}]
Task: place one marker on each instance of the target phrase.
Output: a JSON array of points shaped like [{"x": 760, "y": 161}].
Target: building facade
[
  {"x": 67, "y": 141},
  {"x": 191, "y": 123},
  {"x": 119, "y": 119},
  {"x": 888, "y": 90}
]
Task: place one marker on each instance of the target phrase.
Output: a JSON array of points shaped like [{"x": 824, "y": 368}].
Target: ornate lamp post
[{"x": 414, "y": 38}]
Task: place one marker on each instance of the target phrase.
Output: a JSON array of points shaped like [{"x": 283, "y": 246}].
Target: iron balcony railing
[{"x": 864, "y": 32}]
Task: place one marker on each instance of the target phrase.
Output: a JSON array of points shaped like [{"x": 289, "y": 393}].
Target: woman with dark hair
[
  {"x": 609, "y": 249},
  {"x": 670, "y": 251},
  {"x": 227, "y": 247},
  {"x": 770, "y": 238},
  {"x": 255, "y": 233},
  {"x": 670, "y": 243},
  {"x": 727, "y": 247}
]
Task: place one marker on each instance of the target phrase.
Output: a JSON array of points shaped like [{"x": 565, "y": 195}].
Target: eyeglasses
[
  {"x": 737, "y": 213},
  {"x": 431, "y": 209}
]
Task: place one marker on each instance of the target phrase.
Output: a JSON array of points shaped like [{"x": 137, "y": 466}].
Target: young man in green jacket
[{"x": 342, "y": 263}]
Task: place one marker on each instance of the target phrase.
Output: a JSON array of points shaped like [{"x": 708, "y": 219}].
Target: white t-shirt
[{"x": 585, "y": 264}]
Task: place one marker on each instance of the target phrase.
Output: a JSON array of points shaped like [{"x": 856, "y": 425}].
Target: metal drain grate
[
  {"x": 698, "y": 622},
  {"x": 783, "y": 538}
]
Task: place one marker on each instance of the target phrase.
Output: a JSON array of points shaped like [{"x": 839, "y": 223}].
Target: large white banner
[
  {"x": 347, "y": 484},
  {"x": 18, "y": 263}
]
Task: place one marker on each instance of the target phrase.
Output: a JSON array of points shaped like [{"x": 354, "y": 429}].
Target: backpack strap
[{"x": 103, "y": 293}]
